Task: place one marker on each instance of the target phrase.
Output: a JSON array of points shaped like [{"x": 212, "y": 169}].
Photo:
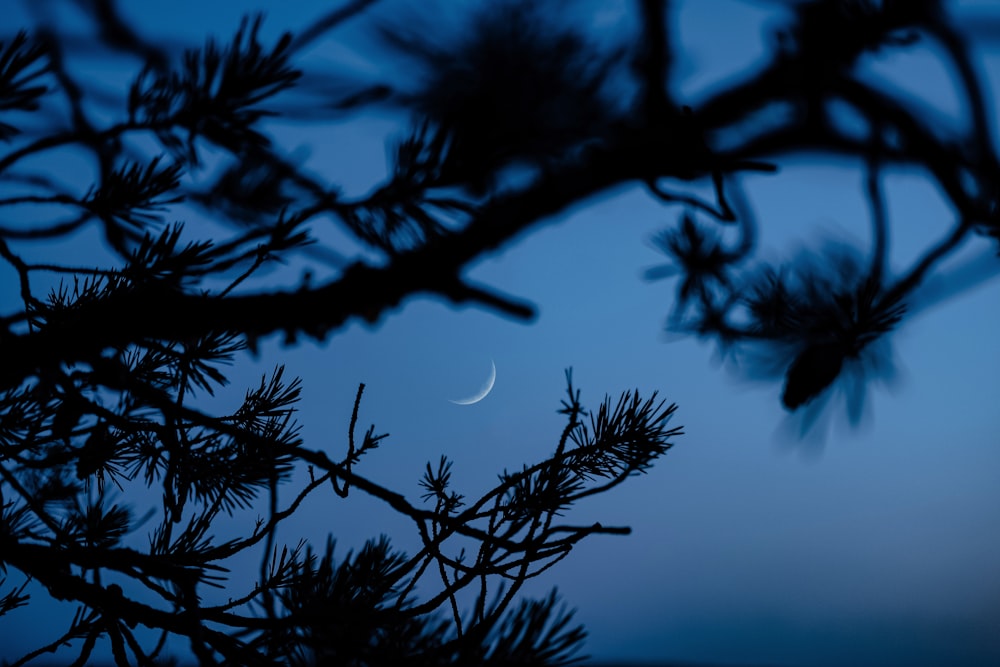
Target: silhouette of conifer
[{"x": 100, "y": 376}]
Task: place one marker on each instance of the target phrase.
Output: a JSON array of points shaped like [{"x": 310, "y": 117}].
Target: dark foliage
[
  {"x": 100, "y": 377},
  {"x": 513, "y": 88},
  {"x": 823, "y": 312}
]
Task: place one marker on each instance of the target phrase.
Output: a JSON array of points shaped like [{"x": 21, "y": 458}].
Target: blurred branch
[
  {"x": 653, "y": 62},
  {"x": 328, "y": 22},
  {"x": 513, "y": 125}
]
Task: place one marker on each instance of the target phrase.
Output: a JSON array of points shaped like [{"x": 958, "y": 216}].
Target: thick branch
[{"x": 362, "y": 291}]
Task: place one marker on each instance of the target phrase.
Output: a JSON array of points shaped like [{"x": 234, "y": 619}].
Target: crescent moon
[{"x": 483, "y": 391}]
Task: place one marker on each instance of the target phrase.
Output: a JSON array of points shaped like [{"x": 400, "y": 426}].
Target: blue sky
[{"x": 870, "y": 545}]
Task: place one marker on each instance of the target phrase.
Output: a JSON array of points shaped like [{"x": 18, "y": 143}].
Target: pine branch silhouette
[{"x": 512, "y": 123}]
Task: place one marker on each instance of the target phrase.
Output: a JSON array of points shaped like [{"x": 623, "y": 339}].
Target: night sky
[{"x": 868, "y": 543}]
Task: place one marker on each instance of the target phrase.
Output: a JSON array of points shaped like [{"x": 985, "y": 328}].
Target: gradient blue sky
[{"x": 869, "y": 545}]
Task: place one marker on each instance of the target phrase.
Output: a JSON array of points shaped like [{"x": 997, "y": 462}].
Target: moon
[{"x": 483, "y": 391}]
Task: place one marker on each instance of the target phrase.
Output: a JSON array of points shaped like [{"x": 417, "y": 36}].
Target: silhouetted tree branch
[{"x": 511, "y": 122}]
